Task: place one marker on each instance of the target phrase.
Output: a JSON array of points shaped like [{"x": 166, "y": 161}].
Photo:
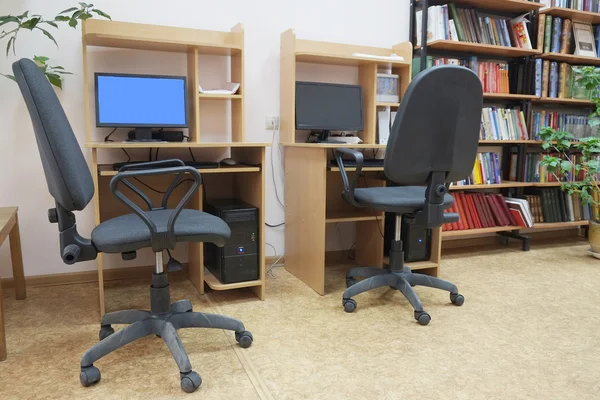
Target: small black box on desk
[{"x": 237, "y": 261}]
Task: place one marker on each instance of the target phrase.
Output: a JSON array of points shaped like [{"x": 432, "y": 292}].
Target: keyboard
[
  {"x": 368, "y": 162},
  {"x": 193, "y": 164}
]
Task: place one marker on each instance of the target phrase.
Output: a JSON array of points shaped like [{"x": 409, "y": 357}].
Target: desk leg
[
  {"x": 17, "y": 260},
  {"x": 2, "y": 333},
  {"x": 305, "y": 198}
]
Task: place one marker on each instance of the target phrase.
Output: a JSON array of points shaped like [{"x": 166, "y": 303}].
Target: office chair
[
  {"x": 70, "y": 183},
  {"x": 433, "y": 142}
]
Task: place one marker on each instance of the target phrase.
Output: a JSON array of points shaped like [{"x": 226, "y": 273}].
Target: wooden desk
[{"x": 9, "y": 227}]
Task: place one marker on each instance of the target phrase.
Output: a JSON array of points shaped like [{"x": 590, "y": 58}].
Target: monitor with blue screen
[{"x": 142, "y": 102}]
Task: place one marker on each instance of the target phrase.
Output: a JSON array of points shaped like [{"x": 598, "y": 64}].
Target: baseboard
[{"x": 68, "y": 278}]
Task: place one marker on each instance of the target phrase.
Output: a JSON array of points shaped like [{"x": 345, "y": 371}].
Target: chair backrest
[
  {"x": 436, "y": 128},
  {"x": 67, "y": 173}
]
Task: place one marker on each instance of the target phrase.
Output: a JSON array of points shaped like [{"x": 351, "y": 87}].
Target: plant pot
[{"x": 594, "y": 236}]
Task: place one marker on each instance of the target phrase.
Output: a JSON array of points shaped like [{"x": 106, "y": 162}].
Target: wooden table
[{"x": 9, "y": 227}]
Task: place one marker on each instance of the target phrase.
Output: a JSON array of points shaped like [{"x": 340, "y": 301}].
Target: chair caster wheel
[
  {"x": 350, "y": 282},
  {"x": 89, "y": 375},
  {"x": 349, "y": 305},
  {"x": 393, "y": 288},
  {"x": 457, "y": 299},
  {"x": 190, "y": 381},
  {"x": 105, "y": 331},
  {"x": 244, "y": 338},
  {"x": 422, "y": 318}
]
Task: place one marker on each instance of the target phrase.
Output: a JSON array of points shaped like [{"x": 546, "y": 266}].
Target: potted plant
[
  {"x": 579, "y": 157},
  {"x": 12, "y": 25}
]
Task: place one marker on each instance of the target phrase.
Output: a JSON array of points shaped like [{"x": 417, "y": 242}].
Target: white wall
[{"x": 22, "y": 183}]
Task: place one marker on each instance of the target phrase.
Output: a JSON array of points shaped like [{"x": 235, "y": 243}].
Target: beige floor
[{"x": 530, "y": 329}]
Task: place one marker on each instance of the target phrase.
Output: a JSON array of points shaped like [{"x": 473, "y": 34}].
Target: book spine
[
  {"x": 564, "y": 37},
  {"x": 556, "y": 30},
  {"x": 553, "y": 85},
  {"x": 541, "y": 30},
  {"x": 538, "y": 77},
  {"x": 545, "y": 77},
  {"x": 548, "y": 34}
]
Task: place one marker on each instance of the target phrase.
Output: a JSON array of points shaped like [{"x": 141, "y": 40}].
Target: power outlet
[{"x": 271, "y": 122}]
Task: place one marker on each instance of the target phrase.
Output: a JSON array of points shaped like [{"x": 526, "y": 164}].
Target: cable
[
  {"x": 273, "y": 167},
  {"x": 108, "y": 136},
  {"x": 192, "y": 154},
  {"x": 274, "y": 264},
  {"x": 159, "y": 191},
  {"x": 274, "y": 226},
  {"x": 156, "y": 156},
  {"x": 127, "y": 154}
]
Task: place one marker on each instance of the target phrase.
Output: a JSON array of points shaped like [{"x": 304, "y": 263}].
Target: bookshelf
[
  {"x": 188, "y": 50},
  {"x": 483, "y": 52}
]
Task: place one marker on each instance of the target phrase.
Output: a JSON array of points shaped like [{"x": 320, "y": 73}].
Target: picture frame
[{"x": 584, "y": 39}]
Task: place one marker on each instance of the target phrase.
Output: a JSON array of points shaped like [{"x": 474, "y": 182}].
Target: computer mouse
[{"x": 230, "y": 162}]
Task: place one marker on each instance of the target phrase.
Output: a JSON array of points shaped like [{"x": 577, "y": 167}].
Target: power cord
[
  {"x": 107, "y": 137},
  {"x": 160, "y": 191},
  {"x": 274, "y": 264},
  {"x": 275, "y": 131},
  {"x": 274, "y": 226}
]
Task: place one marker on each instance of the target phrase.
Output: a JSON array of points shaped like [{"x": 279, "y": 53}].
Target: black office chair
[
  {"x": 433, "y": 142},
  {"x": 70, "y": 183}
]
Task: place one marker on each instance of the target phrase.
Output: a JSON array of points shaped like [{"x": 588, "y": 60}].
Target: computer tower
[
  {"x": 237, "y": 261},
  {"x": 416, "y": 239}
]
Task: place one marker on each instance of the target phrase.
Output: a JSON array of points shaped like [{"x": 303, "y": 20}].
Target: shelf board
[
  {"x": 321, "y": 58},
  {"x": 172, "y": 145},
  {"x": 478, "y": 48},
  {"x": 350, "y": 169},
  {"x": 416, "y": 265},
  {"x": 107, "y": 170},
  {"x": 492, "y": 142},
  {"x": 352, "y": 216},
  {"x": 571, "y": 58},
  {"x": 575, "y": 15},
  {"x": 469, "y": 232},
  {"x": 336, "y": 145},
  {"x": 516, "y": 6},
  {"x": 386, "y": 104},
  {"x": 570, "y": 224},
  {"x": 214, "y": 283},
  {"x": 219, "y": 96},
  {"x": 552, "y": 100},
  {"x": 126, "y": 35},
  {"x": 507, "y": 184},
  {"x": 508, "y": 96}
]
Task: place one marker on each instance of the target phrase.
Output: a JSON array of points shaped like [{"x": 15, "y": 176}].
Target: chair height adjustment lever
[{"x": 173, "y": 265}]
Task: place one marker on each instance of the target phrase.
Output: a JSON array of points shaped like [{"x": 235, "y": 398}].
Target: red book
[
  {"x": 497, "y": 213},
  {"x": 474, "y": 215},
  {"x": 518, "y": 217},
  {"x": 461, "y": 215},
  {"x": 511, "y": 219},
  {"x": 454, "y": 224},
  {"x": 463, "y": 202},
  {"x": 488, "y": 210},
  {"x": 480, "y": 211}
]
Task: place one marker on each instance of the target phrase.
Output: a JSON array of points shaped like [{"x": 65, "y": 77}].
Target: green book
[
  {"x": 548, "y": 34},
  {"x": 416, "y": 65},
  {"x": 459, "y": 28}
]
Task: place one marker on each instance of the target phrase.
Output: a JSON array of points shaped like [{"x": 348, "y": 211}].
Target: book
[
  {"x": 556, "y": 31},
  {"x": 553, "y": 80},
  {"x": 545, "y": 77},
  {"x": 548, "y": 34},
  {"x": 541, "y": 32}
]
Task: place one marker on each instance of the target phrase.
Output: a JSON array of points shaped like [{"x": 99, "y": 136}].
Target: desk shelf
[
  {"x": 107, "y": 170},
  {"x": 215, "y": 284},
  {"x": 352, "y": 216}
]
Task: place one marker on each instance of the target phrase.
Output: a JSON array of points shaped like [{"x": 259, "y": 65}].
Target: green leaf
[
  {"x": 76, "y": 14},
  {"x": 11, "y": 77},
  {"x": 566, "y": 143},
  {"x": 8, "y": 19},
  {"x": 51, "y": 23},
  {"x": 55, "y": 80},
  {"x": 545, "y": 145},
  {"x": 48, "y": 35},
  {"x": 10, "y": 43},
  {"x": 101, "y": 13},
  {"x": 63, "y": 72},
  {"x": 72, "y": 23},
  {"x": 85, "y": 16},
  {"x": 62, "y": 18},
  {"x": 566, "y": 166},
  {"x": 30, "y": 24},
  {"x": 24, "y": 15},
  {"x": 84, "y": 5},
  {"x": 68, "y": 10},
  {"x": 40, "y": 59}
]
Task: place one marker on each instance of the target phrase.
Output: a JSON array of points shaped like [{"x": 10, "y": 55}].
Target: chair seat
[
  {"x": 396, "y": 199},
  {"x": 128, "y": 232}
]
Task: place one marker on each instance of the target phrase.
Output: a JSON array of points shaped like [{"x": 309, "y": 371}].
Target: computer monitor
[
  {"x": 328, "y": 107},
  {"x": 141, "y": 102}
]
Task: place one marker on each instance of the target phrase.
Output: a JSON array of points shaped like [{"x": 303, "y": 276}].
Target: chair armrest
[
  {"x": 164, "y": 238},
  {"x": 350, "y": 186}
]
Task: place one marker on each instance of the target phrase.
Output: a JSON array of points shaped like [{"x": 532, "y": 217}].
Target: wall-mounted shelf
[
  {"x": 556, "y": 100},
  {"x": 508, "y": 96},
  {"x": 571, "y": 58},
  {"x": 514, "y": 6}
]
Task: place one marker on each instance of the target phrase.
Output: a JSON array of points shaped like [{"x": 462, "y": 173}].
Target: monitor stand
[{"x": 142, "y": 135}]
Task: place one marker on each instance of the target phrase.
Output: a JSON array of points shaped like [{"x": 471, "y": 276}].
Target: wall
[{"x": 21, "y": 178}]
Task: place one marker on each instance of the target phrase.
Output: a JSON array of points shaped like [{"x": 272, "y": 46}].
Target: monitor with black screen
[
  {"x": 141, "y": 102},
  {"x": 325, "y": 107}
]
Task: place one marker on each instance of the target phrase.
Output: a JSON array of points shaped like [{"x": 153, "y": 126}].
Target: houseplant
[
  {"x": 35, "y": 22},
  {"x": 579, "y": 158}
]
